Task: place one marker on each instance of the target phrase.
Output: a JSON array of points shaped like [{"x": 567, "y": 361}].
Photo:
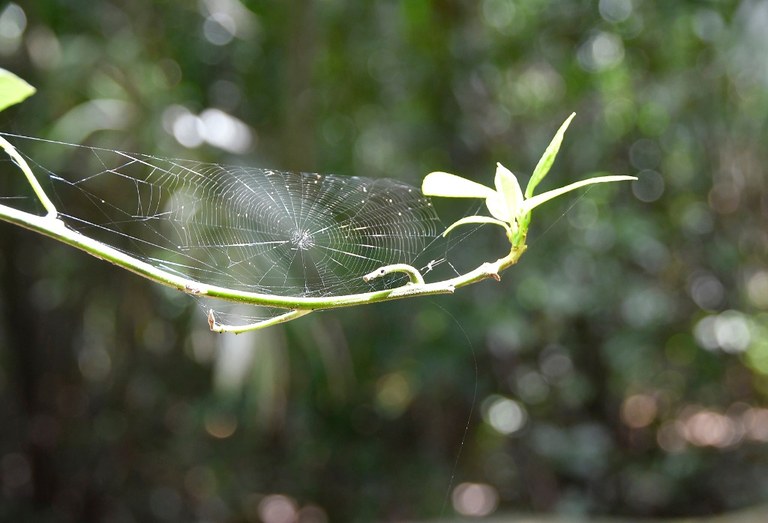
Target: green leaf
[
  {"x": 497, "y": 207},
  {"x": 477, "y": 219},
  {"x": 509, "y": 189},
  {"x": 548, "y": 158},
  {"x": 451, "y": 186},
  {"x": 13, "y": 89},
  {"x": 537, "y": 200}
]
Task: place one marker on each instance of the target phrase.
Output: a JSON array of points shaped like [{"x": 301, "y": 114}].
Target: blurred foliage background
[{"x": 621, "y": 368}]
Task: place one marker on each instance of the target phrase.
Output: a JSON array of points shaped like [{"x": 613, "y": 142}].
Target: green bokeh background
[{"x": 632, "y": 339}]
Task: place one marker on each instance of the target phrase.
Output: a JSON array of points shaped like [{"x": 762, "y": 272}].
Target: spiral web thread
[{"x": 251, "y": 229}]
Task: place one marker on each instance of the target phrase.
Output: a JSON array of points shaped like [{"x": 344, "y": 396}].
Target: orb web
[{"x": 245, "y": 228}]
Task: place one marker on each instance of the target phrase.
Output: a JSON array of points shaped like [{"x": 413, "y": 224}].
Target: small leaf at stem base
[{"x": 13, "y": 89}]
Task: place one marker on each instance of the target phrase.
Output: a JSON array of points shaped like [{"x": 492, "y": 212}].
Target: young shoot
[{"x": 509, "y": 208}]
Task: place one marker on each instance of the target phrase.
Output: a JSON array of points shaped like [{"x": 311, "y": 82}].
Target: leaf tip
[{"x": 429, "y": 182}]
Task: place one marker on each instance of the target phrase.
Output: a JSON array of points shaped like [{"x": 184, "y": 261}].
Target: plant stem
[
  {"x": 56, "y": 229},
  {"x": 36, "y": 187},
  {"x": 50, "y": 225}
]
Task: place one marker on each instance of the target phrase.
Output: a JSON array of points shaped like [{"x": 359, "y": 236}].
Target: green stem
[
  {"x": 413, "y": 273},
  {"x": 239, "y": 329},
  {"x": 56, "y": 229},
  {"x": 36, "y": 187}
]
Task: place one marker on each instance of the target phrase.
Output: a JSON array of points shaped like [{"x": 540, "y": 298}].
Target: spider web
[{"x": 245, "y": 228}]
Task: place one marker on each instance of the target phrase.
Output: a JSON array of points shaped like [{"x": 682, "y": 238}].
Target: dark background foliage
[{"x": 621, "y": 368}]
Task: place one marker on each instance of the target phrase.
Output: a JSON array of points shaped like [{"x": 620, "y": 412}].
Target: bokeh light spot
[
  {"x": 649, "y": 186},
  {"x": 312, "y": 514},
  {"x": 724, "y": 198},
  {"x": 728, "y": 331},
  {"x": 499, "y": 14},
  {"x": 532, "y": 387},
  {"x": 43, "y": 47},
  {"x": 94, "y": 363},
  {"x": 393, "y": 394},
  {"x": 213, "y": 126},
  {"x": 756, "y": 423},
  {"x": 219, "y": 28},
  {"x": 225, "y": 131},
  {"x": 757, "y": 289},
  {"x": 646, "y": 306},
  {"x": 601, "y": 52},
  {"x": 696, "y": 218},
  {"x": 13, "y": 22},
  {"x": 556, "y": 363},
  {"x": 505, "y": 415},
  {"x": 669, "y": 437},
  {"x": 708, "y": 24},
  {"x": 188, "y": 130},
  {"x": 220, "y": 425},
  {"x": 732, "y": 332},
  {"x": 474, "y": 499},
  {"x": 615, "y": 10},
  {"x": 277, "y": 508},
  {"x": 639, "y": 410},
  {"x": 707, "y": 428},
  {"x": 706, "y": 290}
]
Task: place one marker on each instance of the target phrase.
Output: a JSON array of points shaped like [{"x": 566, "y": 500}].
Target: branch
[
  {"x": 414, "y": 276},
  {"x": 297, "y": 306},
  {"x": 24, "y": 166},
  {"x": 239, "y": 329}
]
